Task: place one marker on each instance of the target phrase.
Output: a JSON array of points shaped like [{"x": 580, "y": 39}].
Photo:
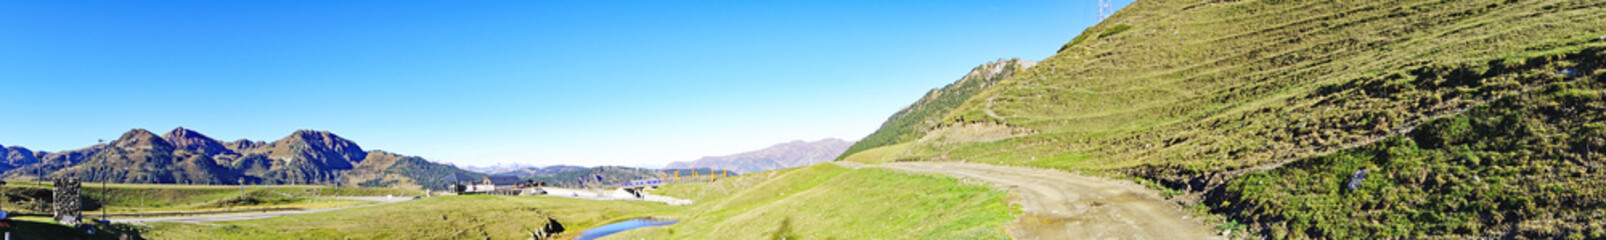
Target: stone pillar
[{"x": 68, "y": 207}]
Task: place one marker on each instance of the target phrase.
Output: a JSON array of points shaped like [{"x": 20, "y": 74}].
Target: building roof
[{"x": 503, "y": 180}]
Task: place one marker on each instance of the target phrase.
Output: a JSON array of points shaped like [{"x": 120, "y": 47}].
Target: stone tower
[{"x": 67, "y": 205}]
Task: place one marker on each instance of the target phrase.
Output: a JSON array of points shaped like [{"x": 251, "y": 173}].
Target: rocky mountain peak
[
  {"x": 997, "y": 67},
  {"x": 325, "y": 140},
  {"x": 326, "y": 148},
  {"x": 16, "y": 156},
  {"x": 245, "y": 145},
  {"x": 187, "y": 139},
  {"x": 141, "y": 139}
]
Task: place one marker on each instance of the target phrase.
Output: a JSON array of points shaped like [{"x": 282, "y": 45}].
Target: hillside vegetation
[
  {"x": 1525, "y": 165},
  {"x": 1214, "y": 86},
  {"x": 913, "y": 121},
  {"x": 1212, "y": 98}
]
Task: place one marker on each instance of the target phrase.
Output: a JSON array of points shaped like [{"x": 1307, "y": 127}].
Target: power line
[{"x": 1105, "y": 10}]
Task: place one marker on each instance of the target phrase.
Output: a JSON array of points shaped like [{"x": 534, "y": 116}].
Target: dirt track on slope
[{"x": 1060, "y": 205}]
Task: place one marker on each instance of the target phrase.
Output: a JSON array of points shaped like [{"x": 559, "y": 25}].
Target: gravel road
[{"x": 1060, "y": 205}]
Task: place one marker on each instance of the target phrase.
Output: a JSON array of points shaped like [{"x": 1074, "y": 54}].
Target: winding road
[{"x": 1060, "y": 205}]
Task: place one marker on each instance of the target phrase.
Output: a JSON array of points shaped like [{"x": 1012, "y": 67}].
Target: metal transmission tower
[{"x": 1104, "y": 10}]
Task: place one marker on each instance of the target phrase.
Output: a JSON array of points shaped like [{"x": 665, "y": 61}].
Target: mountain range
[
  {"x": 785, "y": 155},
  {"x": 615, "y": 175},
  {"x": 188, "y": 157},
  {"x": 523, "y": 171}
]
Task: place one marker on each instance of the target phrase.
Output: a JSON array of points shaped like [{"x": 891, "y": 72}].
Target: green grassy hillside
[
  {"x": 385, "y": 169},
  {"x": 1526, "y": 165},
  {"x": 914, "y": 121},
  {"x": 1209, "y": 86},
  {"x": 826, "y": 201},
  {"x": 1207, "y": 96}
]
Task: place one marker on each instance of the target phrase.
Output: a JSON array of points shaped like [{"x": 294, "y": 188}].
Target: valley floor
[{"x": 256, "y": 215}]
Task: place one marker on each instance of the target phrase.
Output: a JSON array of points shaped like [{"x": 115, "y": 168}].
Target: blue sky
[{"x": 476, "y": 83}]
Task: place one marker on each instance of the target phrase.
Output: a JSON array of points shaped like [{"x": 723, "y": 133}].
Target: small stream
[{"x": 610, "y": 229}]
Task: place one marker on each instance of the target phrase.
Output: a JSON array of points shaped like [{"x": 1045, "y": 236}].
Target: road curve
[{"x": 1060, "y": 205}]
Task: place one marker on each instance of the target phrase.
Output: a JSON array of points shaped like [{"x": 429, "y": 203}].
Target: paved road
[
  {"x": 247, "y": 216},
  {"x": 1060, "y": 205}
]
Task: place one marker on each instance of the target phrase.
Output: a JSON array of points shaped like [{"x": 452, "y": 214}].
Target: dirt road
[
  {"x": 1060, "y": 205},
  {"x": 248, "y": 216}
]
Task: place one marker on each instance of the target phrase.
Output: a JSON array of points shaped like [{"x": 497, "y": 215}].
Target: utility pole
[
  {"x": 103, "y": 192},
  {"x": 3, "y": 198},
  {"x": 1104, "y": 10},
  {"x": 242, "y": 190}
]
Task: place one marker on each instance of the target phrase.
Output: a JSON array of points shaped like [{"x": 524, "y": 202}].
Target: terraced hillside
[
  {"x": 1195, "y": 94},
  {"x": 913, "y": 121},
  {"x": 1223, "y": 85}
]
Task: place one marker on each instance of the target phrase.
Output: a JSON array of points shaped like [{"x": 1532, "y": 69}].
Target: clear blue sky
[{"x": 535, "y": 82}]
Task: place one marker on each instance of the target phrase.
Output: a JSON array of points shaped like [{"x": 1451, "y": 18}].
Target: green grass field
[
  {"x": 28, "y": 203},
  {"x": 130, "y": 198},
  {"x": 1212, "y": 86},
  {"x": 1523, "y": 166},
  {"x": 448, "y": 217},
  {"x": 826, "y": 201},
  {"x": 812, "y": 201}
]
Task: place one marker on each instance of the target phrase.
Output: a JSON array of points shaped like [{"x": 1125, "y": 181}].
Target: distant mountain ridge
[
  {"x": 524, "y": 171},
  {"x": 189, "y": 157},
  {"x": 615, "y": 175},
  {"x": 785, "y": 155}
]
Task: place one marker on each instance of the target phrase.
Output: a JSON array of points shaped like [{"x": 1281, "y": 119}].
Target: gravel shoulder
[{"x": 1060, "y": 205}]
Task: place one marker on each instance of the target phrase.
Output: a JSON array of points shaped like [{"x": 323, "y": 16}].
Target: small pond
[{"x": 605, "y": 230}]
